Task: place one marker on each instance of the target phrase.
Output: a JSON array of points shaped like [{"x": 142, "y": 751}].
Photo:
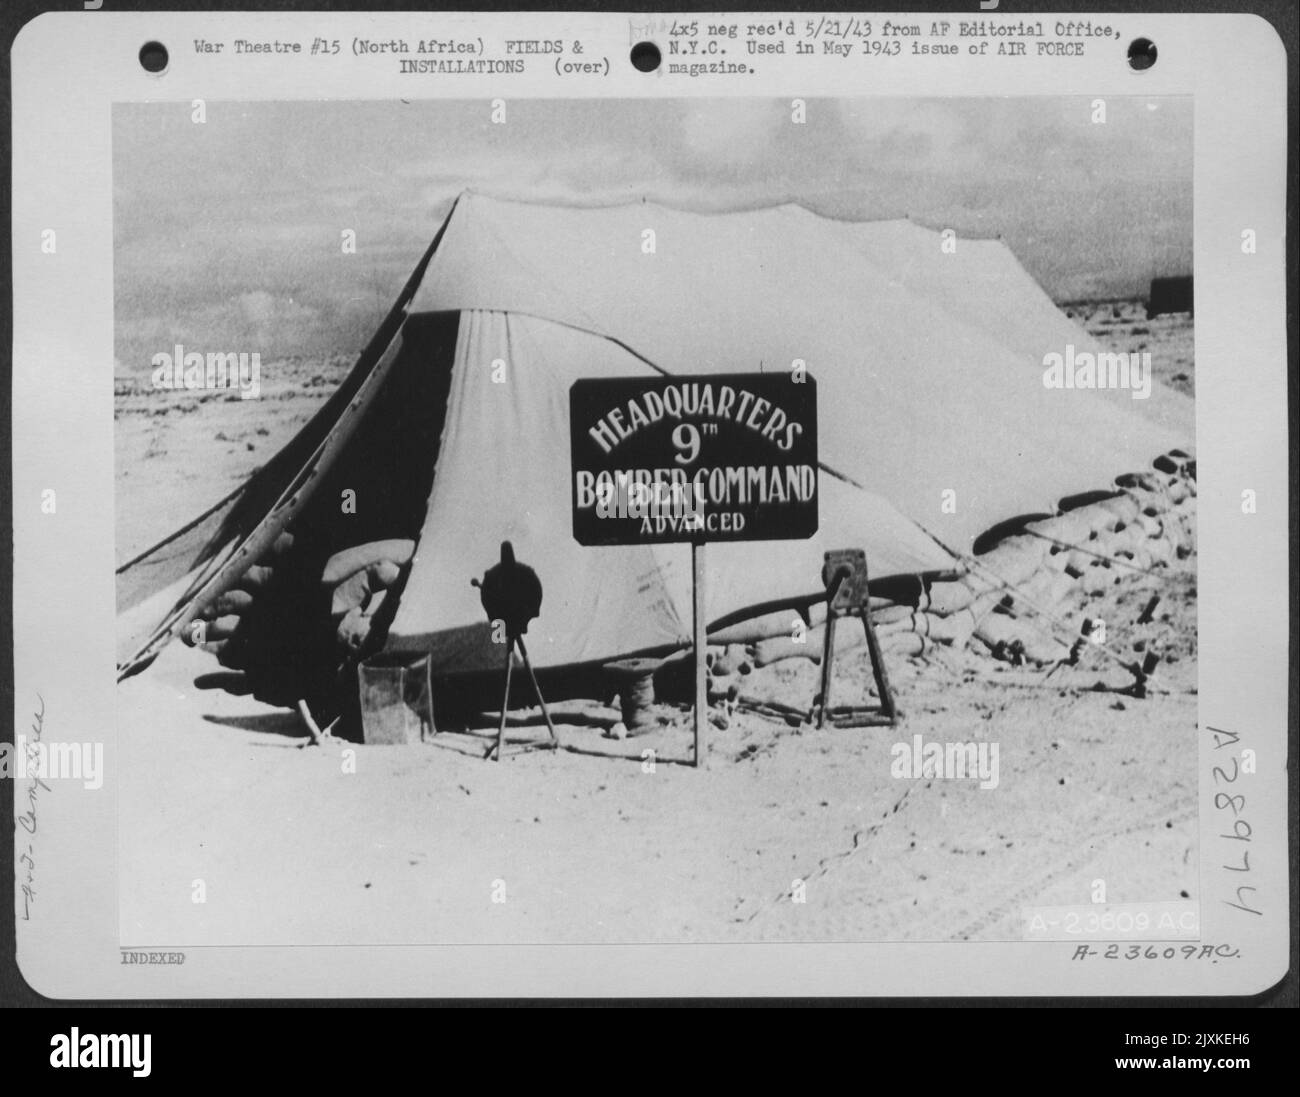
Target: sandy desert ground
[
  {"x": 1093, "y": 783},
  {"x": 1124, "y": 325}
]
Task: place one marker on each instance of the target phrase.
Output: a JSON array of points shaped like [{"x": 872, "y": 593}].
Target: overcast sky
[{"x": 228, "y": 232}]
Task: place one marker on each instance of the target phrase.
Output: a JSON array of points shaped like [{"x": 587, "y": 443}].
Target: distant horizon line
[{"x": 1126, "y": 298}]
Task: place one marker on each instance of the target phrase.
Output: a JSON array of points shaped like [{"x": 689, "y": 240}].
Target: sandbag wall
[
  {"x": 1002, "y": 606},
  {"x": 290, "y": 619},
  {"x": 1007, "y": 601}
]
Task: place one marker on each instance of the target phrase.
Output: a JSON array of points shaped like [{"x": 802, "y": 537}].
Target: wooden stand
[
  {"x": 499, "y": 747},
  {"x": 845, "y": 576}
]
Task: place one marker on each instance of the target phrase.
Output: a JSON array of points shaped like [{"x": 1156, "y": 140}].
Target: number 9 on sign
[{"x": 686, "y": 437}]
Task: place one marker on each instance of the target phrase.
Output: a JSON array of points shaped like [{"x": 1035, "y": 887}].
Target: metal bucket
[{"x": 396, "y": 699}]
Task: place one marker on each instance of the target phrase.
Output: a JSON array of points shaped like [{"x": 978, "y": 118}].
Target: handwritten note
[
  {"x": 1230, "y": 809},
  {"x": 27, "y": 820}
]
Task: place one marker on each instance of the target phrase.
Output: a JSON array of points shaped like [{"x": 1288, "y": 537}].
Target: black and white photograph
[
  {"x": 688, "y": 507},
  {"x": 433, "y": 420}
]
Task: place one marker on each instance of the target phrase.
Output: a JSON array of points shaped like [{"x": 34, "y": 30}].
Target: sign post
[
  {"x": 701, "y": 648},
  {"x": 714, "y": 457}
]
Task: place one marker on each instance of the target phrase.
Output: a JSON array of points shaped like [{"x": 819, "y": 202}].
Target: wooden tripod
[
  {"x": 498, "y": 748},
  {"x": 845, "y": 575}
]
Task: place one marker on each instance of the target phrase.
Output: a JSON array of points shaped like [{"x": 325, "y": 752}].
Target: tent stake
[{"x": 318, "y": 736}]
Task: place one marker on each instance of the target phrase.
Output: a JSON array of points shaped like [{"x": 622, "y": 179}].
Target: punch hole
[
  {"x": 153, "y": 57},
  {"x": 645, "y": 56},
  {"x": 1141, "y": 54}
]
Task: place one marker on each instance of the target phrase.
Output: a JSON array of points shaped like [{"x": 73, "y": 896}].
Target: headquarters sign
[{"x": 722, "y": 457}]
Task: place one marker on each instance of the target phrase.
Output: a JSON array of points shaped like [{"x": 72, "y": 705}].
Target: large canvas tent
[
  {"x": 453, "y": 425},
  {"x": 981, "y": 282}
]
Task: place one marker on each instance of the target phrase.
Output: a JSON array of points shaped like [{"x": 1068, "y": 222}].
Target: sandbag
[
  {"x": 1077, "y": 562},
  {"x": 997, "y": 630},
  {"x": 1097, "y": 517},
  {"x": 1041, "y": 648},
  {"x": 986, "y": 603},
  {"x": 902, "y": 624},
  {"x": 1126, "y": 540},
  {"x": 1047, "y": 589},
  {"x": 1142, "y": 481},
  {"x": 886, "y": 615},
  {"x": 1159, "y": 551},
  {"x": 1150, "y": 525},
  {"x": 1009, "y": 638},
  {"x": 900, "y": 644},
  {"x": 776, "y": 648},
  {"x": 1072, "y": 528},
  {"x": 778, "y": 623},
  {"x": 202, "y": 632},
  {"x": 233, "y": 601},
  {"x": 946, "y": 598},
  {"x": 1124, "y": 508},
  {"x": 223, "y": 628},
  {"x": 1056, "y": 559},
  {"x": 1015, "y": 559},
  {"x": 352, "y": 560},
  {"x": 354, "y": 630},
  {"x": 385, "y": 573},
  {"x": 1138, "y": 556},
  {"x": 954, "y": 630},
  {"x": 732, "y": 659},
  {"x": 358, "y": 589},
  {"x": 255, "y": 578},
  {"x": 1096, "y": 579}
]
